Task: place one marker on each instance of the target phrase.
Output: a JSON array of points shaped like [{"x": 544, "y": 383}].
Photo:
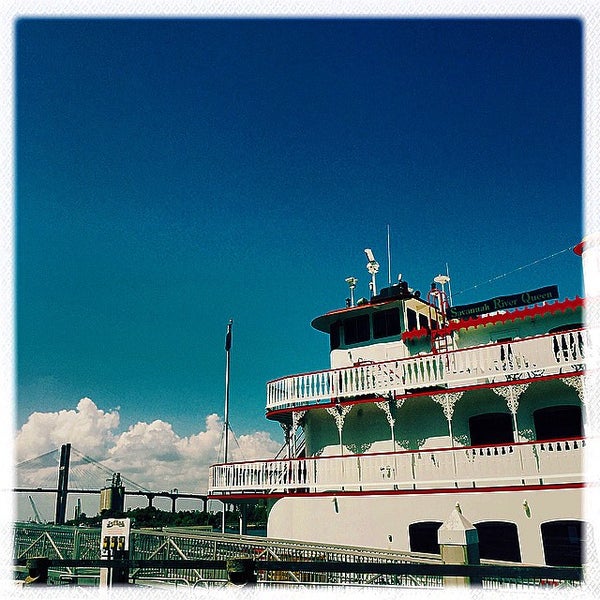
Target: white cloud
[
  {"x": 150, "y": 454},
  {"x": 87, "y": 428},
  {"x": 154, "y": 456},
  {"x": 255, "y": 446}
]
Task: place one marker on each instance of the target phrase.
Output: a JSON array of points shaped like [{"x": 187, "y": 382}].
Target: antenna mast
[
  {"x": 351, "y": 281},
  {"x": 449, "y": 287},
  {"x": 389, "y": 257}
]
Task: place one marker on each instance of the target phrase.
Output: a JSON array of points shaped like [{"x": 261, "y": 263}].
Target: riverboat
[{"x": 424, "y": 406}]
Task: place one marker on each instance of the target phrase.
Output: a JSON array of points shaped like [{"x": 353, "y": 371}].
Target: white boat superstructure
[{"x": 424, "y": 406}]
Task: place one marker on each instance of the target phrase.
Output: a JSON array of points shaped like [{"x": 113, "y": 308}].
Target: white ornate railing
[
  {"x": 534, "y": 356},
  {"x": 531, "y": 463}
]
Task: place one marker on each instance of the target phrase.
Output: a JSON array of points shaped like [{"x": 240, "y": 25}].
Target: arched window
[
  {"x": 556, "y": 422},
  {"x": 498, "y": 540},
  {"x": 423, "y": 536},
  {"x": 491, "y": 428},
  {"x": 563, "y": 542}
]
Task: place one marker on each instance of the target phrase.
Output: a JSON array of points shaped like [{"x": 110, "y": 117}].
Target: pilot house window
[
  {"x": 386, "y": 323},
  {"x": 411, "y": 319},
  {"x": 334, "y": 335},
  {"x": 357, "y": 330}
]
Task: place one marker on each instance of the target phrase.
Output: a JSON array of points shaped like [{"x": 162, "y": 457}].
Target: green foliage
[{"x": 153, "y": 517}]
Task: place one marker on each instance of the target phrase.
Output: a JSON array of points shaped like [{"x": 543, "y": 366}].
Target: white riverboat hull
[{"x": 382, "y": 521}]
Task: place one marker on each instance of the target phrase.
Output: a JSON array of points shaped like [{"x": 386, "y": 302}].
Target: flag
[{"x": 228, "y": 338}]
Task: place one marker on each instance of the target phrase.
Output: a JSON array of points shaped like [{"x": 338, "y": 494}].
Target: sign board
[
  {"x": 114, "y": 545},
  {"x": 114, "y": 537},
  {"x": 465, "y": 311}
]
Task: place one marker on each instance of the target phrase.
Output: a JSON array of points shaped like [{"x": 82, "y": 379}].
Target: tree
[{"x": 152, "y": 517}]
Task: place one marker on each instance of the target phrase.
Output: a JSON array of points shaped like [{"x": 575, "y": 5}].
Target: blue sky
[{"x": 174, "y": 174}]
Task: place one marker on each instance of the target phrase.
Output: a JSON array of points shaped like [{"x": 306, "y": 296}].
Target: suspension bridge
[{"x": 67, "y": 471}]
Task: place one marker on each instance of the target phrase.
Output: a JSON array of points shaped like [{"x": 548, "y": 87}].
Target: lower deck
[
  {"x": 526, "y": 464},
  {"x": 525, "y": 499},
  {"x": 387, "y": 472},
  {"x": 537, "y": 526}
]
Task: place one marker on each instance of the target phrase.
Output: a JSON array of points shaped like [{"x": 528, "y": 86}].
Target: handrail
[
  {"x": 503, "y": 572},
  {"x": 494, "y": 362}
]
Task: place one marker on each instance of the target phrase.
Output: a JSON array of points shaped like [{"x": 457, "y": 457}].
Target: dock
[{"x": 191, "y": 557}]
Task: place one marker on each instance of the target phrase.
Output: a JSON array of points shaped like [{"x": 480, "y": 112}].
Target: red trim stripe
[
  {"x": 531, "y": 312},
  {"x": 453, "y": 491}
]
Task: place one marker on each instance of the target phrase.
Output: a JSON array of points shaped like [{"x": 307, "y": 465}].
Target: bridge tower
[{"x": 63, "y": 485}]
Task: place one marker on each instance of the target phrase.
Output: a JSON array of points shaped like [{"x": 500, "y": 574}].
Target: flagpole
[
  {"x": 227, "y": 367},
  {"x": 226, "y": 415}
]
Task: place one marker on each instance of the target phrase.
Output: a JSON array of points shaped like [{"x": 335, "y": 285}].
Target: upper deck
[{"x": 560, "y": 349}]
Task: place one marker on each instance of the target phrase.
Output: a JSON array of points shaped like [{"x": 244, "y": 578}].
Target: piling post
[
  {"x": 459, "y": 545},
  {"x": 240, "y": 571},
  {"x": 37, "y": 571},
  {"x": 243, "y": 518}
]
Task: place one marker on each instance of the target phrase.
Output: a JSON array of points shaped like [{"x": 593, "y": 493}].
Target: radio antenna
[
  {"x": 449, "y": 286},
  {"x": 389, "y": 256}
]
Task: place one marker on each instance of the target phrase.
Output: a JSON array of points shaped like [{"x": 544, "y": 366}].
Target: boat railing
[
  {"x": 538, "y": 463},
  {"x": 494, "y": 362}
]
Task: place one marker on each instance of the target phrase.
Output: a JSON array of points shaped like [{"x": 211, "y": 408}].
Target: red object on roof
[{"x": 528, "y": 312}]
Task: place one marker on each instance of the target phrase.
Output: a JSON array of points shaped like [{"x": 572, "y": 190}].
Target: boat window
[
  {"x": 411, "y": 319},
  {"x": 562, "y": 542},
  {"x": 557, "y": 422},
  {"x": 498, "y": 540},
  {"x": 423, "y": 321},
  {"x": 491, "y": 428},
  {"x": 423, "y": 537},
  {"x": 334, "y": 335},
  {"x": 357, "y": 330},
  {"x": 386, "y": 323}
]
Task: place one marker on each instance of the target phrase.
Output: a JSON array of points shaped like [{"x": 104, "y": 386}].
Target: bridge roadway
[{"x": 150, "y": 495}]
